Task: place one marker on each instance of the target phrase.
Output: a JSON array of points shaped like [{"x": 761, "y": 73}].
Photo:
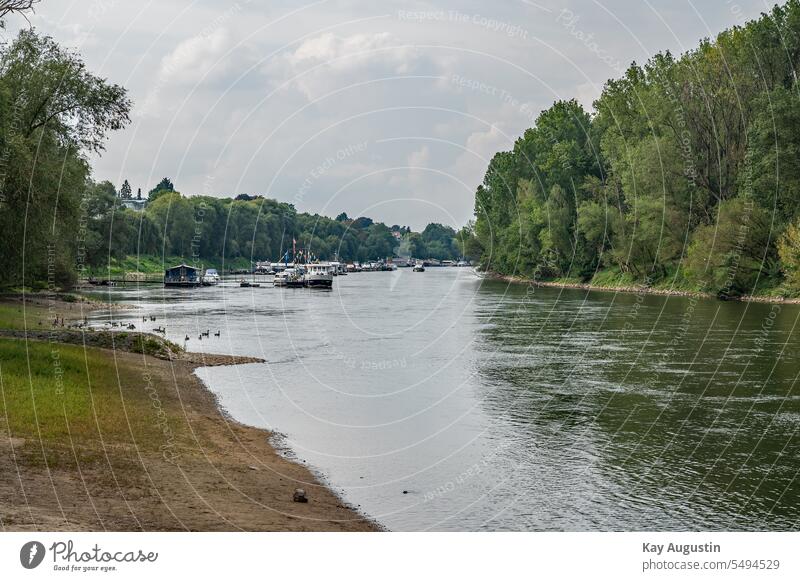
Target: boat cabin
[{"x": 182, "y": 275}]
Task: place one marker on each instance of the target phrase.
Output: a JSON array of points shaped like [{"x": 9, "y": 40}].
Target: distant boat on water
[
  {"x": 289, "y": 278},
  {"x": 211, "y": 277},
  {"x": 419, "y": 267},
  {"x": 320, "y": 275}
]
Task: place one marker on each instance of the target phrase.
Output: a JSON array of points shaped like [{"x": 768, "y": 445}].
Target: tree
[
  {"x": 771, "y": 173},
  {"x": 165, "y": 185},
  {"x": 342, "y": 217},
  {"x": 681, "y": 153},
  {"x": 789, "y": 253},
  {"x": 468, "y": 245},
  {"x": 53, "y": 113},
  {"x": 15, "y": 6},
  {"x": 728, "y": 258},
  {"x": 61, "y": 95},
  {"x": 125, "y": 191},
  {"x": 440, "y": 242}
]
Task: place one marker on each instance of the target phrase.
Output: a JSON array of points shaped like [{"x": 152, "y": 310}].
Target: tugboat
[
  {"x": 419, "y": 267},
  {"x": 319, "y": 275}
]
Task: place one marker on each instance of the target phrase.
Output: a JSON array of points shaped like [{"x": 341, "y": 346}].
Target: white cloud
[
  {"x": 480, "y": 148},
  {"x": 327, "y": 62},
  {"x": 195, "y": 58},
  {"x": 420, "y": 158},
  {"x": 187, "y": 65}
]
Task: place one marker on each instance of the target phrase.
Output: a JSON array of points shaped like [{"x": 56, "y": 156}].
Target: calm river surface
[{"x": 497, "y": 407}]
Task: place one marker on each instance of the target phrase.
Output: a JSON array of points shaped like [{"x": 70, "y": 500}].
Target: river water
[{"x": 441, "y": 401}]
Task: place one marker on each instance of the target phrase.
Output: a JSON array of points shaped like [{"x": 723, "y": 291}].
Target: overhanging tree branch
[{"x": 18, "y": 6}]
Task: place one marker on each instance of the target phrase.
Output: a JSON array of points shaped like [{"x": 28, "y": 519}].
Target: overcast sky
[{"x": 385, "y": 109}]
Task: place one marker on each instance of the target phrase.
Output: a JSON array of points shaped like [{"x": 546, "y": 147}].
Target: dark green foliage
[
  {"x": 53, "y": 112},
  {"x": 125, "y": 191},
  {"x": 165, "y": 185},
  {"x": 687, "y": 165},
  {"x": 206, "y": 229}
]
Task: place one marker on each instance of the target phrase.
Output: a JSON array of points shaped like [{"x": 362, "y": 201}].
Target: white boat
[
  {"x": 419, "y": 267},
  {"x": 319, "y": 275},
  {"x": 210, "y": 278},
  {"x": 290, "y": 278},
  {"x": 281, "y": 278}
]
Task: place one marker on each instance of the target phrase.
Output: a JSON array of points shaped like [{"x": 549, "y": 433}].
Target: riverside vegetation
[
  {"x": 114, "y": 432},
  {"x": 684, "y": 175},
  {"x": 54, "y": 113}
]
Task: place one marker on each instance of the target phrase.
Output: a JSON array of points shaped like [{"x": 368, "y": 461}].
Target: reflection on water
[{"x": 497, "y": 407}]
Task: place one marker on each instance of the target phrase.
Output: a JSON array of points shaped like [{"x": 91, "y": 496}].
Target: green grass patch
[
  {"x": 612, "y": 278},
  {"x": 15, "y": 316},
  {"x": 149, "y": 264},
  {"x": 68, "y": 395}
]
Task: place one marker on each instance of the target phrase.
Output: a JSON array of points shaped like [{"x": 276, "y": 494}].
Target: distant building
[{"x": 134, "y": 204}]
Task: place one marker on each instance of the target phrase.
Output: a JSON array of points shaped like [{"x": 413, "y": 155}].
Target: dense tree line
[
  {"x": 56, "y": 222},
  {"x": 685, "y": 172},
  {"x": 213, "y": 230}
]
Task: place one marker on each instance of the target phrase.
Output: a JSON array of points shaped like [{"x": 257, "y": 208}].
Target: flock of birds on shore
[{"x": 131, "y": 327}]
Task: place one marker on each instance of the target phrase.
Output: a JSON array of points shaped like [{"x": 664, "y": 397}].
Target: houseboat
[{"x": 182, "y": 275}]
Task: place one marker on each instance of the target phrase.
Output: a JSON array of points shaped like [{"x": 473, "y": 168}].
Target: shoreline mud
[{"x": 219, "y": 475}]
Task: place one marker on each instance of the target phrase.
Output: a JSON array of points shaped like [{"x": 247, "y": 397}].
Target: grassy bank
[
  {"x": 94, "y": 438},
  {"x": 69, "y": 398},
  {"x": 674, "y": 283},
  {"x": 150, "y": 264}
]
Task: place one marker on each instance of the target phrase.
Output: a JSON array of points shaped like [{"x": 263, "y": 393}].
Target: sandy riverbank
[
  {"x": 179, "y": 464},
  {"x": 636, "y": 290}
]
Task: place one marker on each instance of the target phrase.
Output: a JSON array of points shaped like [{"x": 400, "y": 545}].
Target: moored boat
[
  {"x": 289, "y": 278},
  {"x": 319, "y": 275},
  {"x": 419, "y": 267},
  {"x": 182, "y": 275},
  {"x": 211, "y": 277}
]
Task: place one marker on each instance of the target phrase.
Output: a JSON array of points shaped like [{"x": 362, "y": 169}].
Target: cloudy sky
[{"x": 385, "y": 109}]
